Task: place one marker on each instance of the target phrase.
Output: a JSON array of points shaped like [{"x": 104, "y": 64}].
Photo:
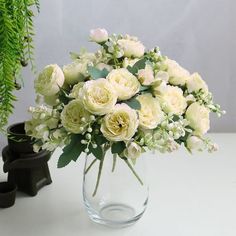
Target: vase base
[{"x": 115, "y": 215}]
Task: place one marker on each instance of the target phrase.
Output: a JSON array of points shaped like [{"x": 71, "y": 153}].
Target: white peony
[
  {"x": 98, "y": 35},
  {"x": 178, "y": 75},
  {"x": 98, "y": 96},
  {"x": 49, "y": 81},
  {"x": 172, "y": 100},
  {"x": 133, "y": 151},
  {"x": 76, "y": 71},
  {"x": 121, "y": 124},
  {"x": 195, "y": 83},
  {"x": 74, "y": 117},
  {"x": 125, "y": 83},
  {"x": 146, "y": 76},
  {"x": 150, "y": 114},
  {"x": 131, "y": 47},
  {"x": 198, "y": 117}
]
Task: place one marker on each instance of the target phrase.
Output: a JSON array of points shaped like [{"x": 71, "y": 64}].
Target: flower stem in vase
[
  {"x": 100, "y": 170},
  {"x": 114, "y": 162},
  {"x": 134, "y": 172},
  {"x": 89, "y": 167}
]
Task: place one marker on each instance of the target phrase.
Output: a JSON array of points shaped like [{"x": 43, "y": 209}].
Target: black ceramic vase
[{"x": 26, "y": 169}]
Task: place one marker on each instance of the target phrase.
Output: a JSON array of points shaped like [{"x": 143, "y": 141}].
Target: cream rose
[
  {"x": 162, "y": 76},
  {"x": 131, "y": 47},
  {"x": 98, "y": 35},
  {"x": 51, "y": 100},
  {"x": 76, "y": 71},
  {"x": 75, "y": 92},
  {"x": 72, "y": 117},
  {"x": 133, "y": 151},
  {"x": 121, "y": 124},
  {"x": 194, "y": 143},
  {"x": 146, "y": 76},
  {"x": 195, "y": 83},
  {"x": 198, "y": 117},
  {"x": 172, "y": 100},
  {"x": 150, "y": 114},
  {"x": 125, "y": 83},
  {"x": 98, "y": 96},
  {"x": 49, "y": 81},
  {"x": 178, "y": 75}
]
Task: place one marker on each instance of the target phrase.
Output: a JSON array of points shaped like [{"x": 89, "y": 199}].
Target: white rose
[
  {"x": 98, "y": 96},
  {"x": 146, "y": 76},
  {"x": 76, "y": 71},
  {"x": 131, "y": 47},
  {"x": 133, "y": 151},
  {"x": 178, "y": 75},
  {"x": 129, "y": 62},
  {"x": 121, "y": 124},
  {"x": 49, "y": 81},
  {"x": 75, "y": 92},
  {"x": 71, "y": 117},
  {"x": 172, "y": 100},
  {"x": 125, "y": 83},
  {"x": 194, "y": 143},
  {"x": 98, "y": 35},
  {"x": 150, "y": 114},
  {"x": 195, "y": 83},
  {"x": 198, "y": 117}
]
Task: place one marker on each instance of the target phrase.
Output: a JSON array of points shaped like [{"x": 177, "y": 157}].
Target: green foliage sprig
[{"x": 16, "y": 49}]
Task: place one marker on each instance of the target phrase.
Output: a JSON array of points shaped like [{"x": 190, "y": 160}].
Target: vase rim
[{"x": 11, "y": 127}]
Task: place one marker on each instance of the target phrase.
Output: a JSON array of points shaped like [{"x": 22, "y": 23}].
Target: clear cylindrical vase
[{"x": 115, "y": 195}]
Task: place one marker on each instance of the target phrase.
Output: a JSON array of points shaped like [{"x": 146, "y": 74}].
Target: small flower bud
[
  {"x": 83, "y": 141},
  {"x": 83, "y": 119},
  {"x": 94, "y": 145},
  {"x": 81, "y": 128},
  {"x": 89, "y": 129},
  {"x": 92, "y": 118},
  {"x": 88, "y": 136},
  {"x": 86, "y": 150}
]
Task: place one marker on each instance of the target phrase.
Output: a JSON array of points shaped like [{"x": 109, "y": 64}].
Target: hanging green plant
[{"x": 16, "y": 49}]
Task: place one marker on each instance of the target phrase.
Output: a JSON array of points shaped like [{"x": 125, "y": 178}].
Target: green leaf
[
  {"x": 63, "y": 97},
  {"x": 97, "y": 152},
  {"x": 71, "y": 152},
  {"x": 95, "y": 73},
  {"x": 144, "y": 88},
  {"x": 133, "y": 103},
  {"x": 118, "y": 147},
  {"x": 137, "y": 66}
]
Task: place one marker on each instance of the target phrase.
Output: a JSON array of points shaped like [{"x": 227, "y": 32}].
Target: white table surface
[{"x": 189, "y": 196}]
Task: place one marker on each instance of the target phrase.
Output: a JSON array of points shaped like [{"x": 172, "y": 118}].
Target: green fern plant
[{"x": 16, "y": 49}]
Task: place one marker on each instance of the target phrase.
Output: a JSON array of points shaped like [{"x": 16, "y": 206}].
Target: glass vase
[{"x": 115, "y": 190}]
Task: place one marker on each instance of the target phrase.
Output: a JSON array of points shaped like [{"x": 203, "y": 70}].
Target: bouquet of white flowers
[{"x": 120, "y": 97}]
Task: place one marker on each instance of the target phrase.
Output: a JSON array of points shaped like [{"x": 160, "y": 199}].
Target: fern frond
[{"x": 16, "y": 47}]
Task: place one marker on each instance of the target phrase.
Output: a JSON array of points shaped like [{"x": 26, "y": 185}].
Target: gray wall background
[{"x": 199, "y": 34}]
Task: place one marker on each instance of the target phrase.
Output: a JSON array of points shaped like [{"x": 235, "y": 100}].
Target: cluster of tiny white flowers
[{"x": 207, "y": 100}]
